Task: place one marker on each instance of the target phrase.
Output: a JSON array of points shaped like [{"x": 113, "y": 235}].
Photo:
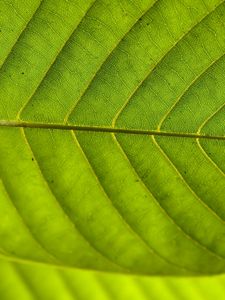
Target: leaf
[
  {"x": 72, "y": 284},
  {"x": 112, "y": 135}
]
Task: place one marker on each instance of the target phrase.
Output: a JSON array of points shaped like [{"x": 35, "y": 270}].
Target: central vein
[{"x": 107, "y": 129}]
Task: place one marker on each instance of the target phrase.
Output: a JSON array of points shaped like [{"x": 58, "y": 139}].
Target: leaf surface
[
  {"x": 72, "y": 285},
  {"x": 112, "y": 135}
]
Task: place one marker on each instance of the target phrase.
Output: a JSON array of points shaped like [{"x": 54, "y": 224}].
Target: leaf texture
[
  {"x": 72, "y": 285},
  {"x": 112, "y": 135}
]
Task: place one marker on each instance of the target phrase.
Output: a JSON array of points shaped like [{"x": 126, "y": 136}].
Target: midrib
[{"x": 56, "y": 126}]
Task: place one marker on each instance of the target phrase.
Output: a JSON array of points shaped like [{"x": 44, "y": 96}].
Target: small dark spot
[
  {"x": 22, "y": 73},
  {"x": 185, "y": 172},
  {"x": 52, "y": 181},
  {"x": 32, "y": 159},
  {"x": 148, "y": 24},
  {"x": 0, "y": 30},
  {"x": 140, "y": 19}
]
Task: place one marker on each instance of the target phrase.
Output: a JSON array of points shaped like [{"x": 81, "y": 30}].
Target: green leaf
[
  {"x": 42, "y": 282},
  {"x": 112, "y": 134}
]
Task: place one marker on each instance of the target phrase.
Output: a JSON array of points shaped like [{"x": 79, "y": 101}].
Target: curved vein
[
  {"x": 21, "y": 33},
  {"x": 209, "y": 118},
  {"x": 200, "y": 145},
  {"x": 62, "y": 209},
  {"x": 166, "y": 116},
  {"x": 161, "y": 59},
  {"x": 209, "y": 158},
  {"x": 104, "y": 61},
  {"x": 29, "y": 229},
  {"x": 53, "y": 62},
  {"x": 193, "y": 192},
  {"x": 185, "y": 182},
  {"x": 131, "y": 229},
  {"x": 171, "y": 220}
]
